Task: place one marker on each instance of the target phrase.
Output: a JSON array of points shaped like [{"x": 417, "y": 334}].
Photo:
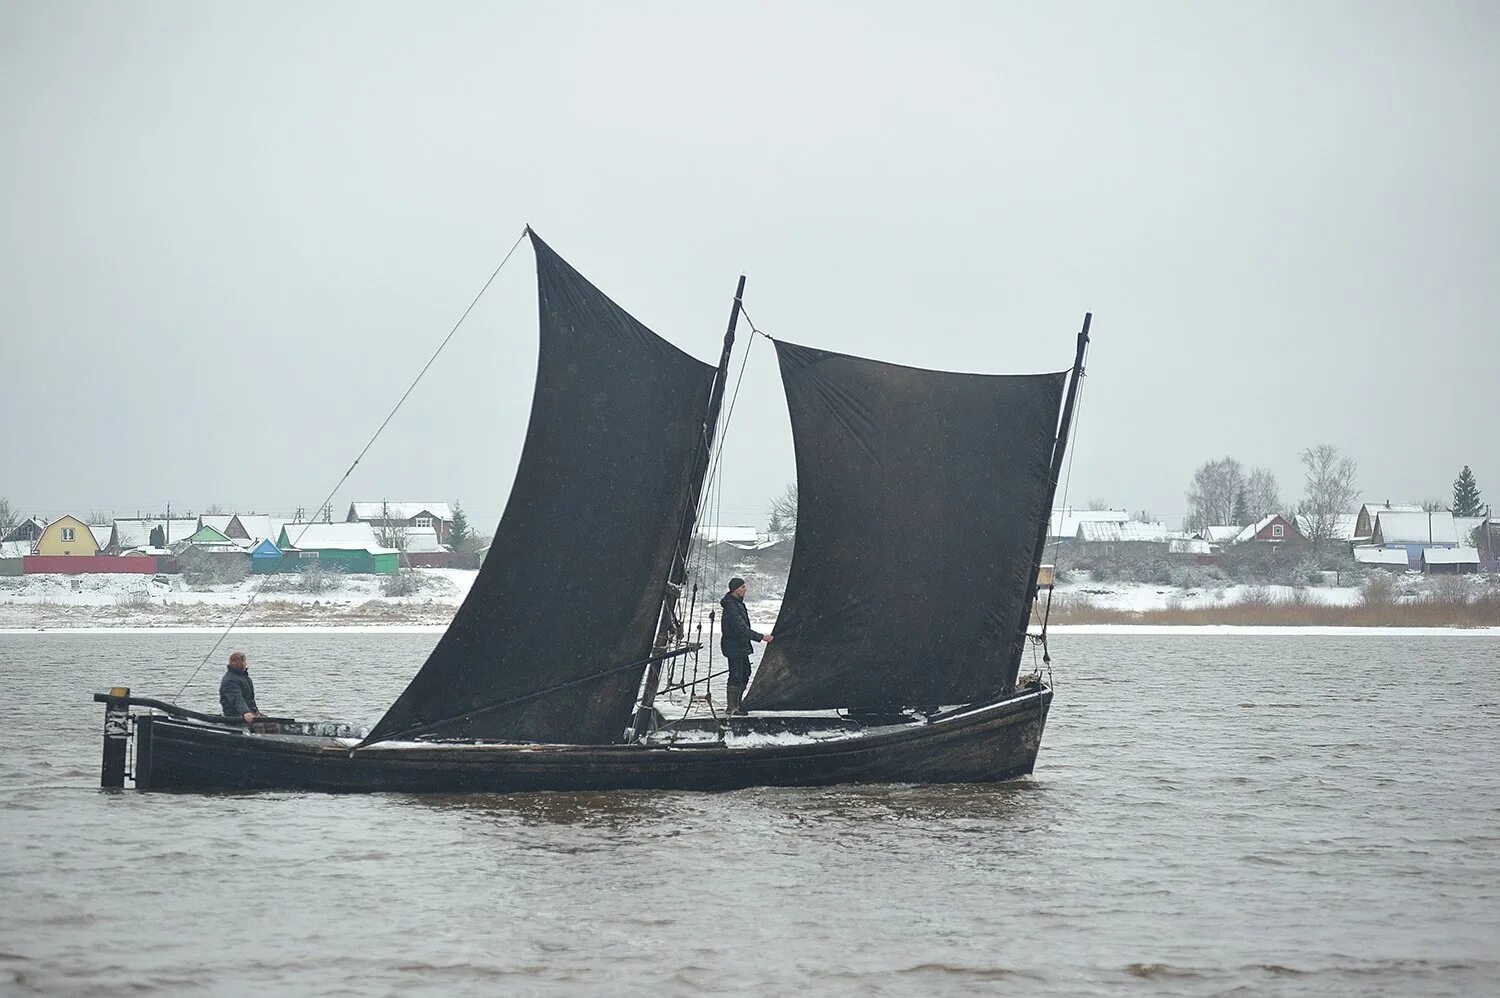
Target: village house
[
  {"x": 1467, "y": 529},
  {"x": 208, "y": 538},
  {"x": 265, "y": 557},
  {"x": 345, "y": 547},
  {"x": 1344, "y": 526},
  {"x": 728, "y": 534},
  {"x": 1064, "y": 522},
  {"x": 28, "y": 530},
  {"x": 1218, "y": 534},
  {"x": 1273, "y": 529},
  {"x": 105, "y": 537},
  {"x": 1487, "y": 541},
  {"x": 1364, "y": 521},
  {"x": 70, "y": 546},
  {"x": 388, "y": 516},
  {"x": 245, "y": 529},
  {"x": 67, "y": 536},
  {"x": 1414, "y": 531},
  {"x": 134, "y": 533},
  {"x": 1393, "y": 559},
  {"x": 1121, "y": 532},
  {"x": 1450, "y": 561}
]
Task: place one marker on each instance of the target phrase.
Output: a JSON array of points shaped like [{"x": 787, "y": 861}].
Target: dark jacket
[
  {"x": 738, "y": 633},
  {"x": 237, "y": 694}
]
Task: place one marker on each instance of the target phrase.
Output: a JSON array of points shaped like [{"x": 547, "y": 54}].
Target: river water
[{"x": 1279, "y": 814}]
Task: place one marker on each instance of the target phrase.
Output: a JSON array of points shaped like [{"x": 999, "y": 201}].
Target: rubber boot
[{"x": 732, "y": 696}]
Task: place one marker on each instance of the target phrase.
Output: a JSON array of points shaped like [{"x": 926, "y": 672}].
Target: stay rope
[
  {"x": 711, "y": 503},
  {"x": 1067, "y": 482},
  {"x": 255, "y": 593}
]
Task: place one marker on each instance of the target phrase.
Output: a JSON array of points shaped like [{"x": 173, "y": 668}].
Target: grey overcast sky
[{"x": 233, "y": 232}]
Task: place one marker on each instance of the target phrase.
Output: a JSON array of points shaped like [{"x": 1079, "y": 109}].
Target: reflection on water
[{"x": 1305, "y": 815}]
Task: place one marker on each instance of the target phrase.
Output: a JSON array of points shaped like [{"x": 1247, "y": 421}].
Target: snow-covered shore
[
  {"x": 358, "y": 602},
  {"x": 143, "y": 601}
]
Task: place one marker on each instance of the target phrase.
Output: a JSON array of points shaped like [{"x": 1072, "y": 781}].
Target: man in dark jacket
[
  {"x": 236, "y": 691},
  {"x": 735, "y": 644}
]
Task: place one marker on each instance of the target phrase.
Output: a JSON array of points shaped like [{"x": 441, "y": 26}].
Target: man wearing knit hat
[{"x": 735, "y": 644}]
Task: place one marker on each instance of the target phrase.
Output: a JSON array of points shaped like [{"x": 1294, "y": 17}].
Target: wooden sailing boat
[{"x": 923, "y": 506}]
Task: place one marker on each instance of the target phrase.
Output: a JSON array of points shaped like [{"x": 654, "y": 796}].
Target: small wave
[
  {"x": 1160, "y": 971},
  {"x": 972, "y": 973}
]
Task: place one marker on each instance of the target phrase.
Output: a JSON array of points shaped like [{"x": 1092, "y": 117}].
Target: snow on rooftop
[
  {"x": 1248, "y": 532},
  {"x": 1451, "y": 556},
  {"x": 729, "y": 535},
  {"x": 1065, "y": 521},
  {"x": 1465, "y": 526},
  {"x": 1381, "y": 556},
  {"x": 1416, "y": 527},
  {"x": 1390, "y": 507},
  {"x": 1343, "y": 525},
  {"x": 101, "y": 534},
  {"x": 1221, "y": 533},
  {"x": 134, "y": 533},
  {"x": 1132, "y": 530},
  {"x": 1188, "y": 545},
  {"x": 399, "y": 510},
  {"x": 332, "y": 537}
]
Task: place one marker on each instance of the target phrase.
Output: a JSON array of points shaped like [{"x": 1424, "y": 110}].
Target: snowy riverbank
[{"x": 60, "y": 602}]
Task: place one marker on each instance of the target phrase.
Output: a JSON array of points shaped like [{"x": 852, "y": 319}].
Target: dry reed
[{"x": 1445, "y": 608}]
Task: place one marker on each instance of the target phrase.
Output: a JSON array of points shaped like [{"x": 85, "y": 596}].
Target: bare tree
[
  {"x": 1432, "y": 505},
  {"x": 1262, "y": 497},
  {"x": 8, "y": 516},
  {"x": 99, "y": 518},
  {"x": 392, "y": 532},
  {"x": 1212, "y": 494},
  {"x": 214, "y": 510},
  {"x": 784, "y": 512},
  {"x": 1097, "y": 503},
  {"x": 1330, "y": 490}
]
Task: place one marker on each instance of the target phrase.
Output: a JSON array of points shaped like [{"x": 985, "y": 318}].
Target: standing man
[
  {"x": 236, "y": 691},
  {"x": 735, "y": 644}
]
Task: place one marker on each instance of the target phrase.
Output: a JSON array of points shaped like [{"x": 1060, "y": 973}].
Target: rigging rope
[
  {"x": 712, "y": 498},
  {"x": 1067, "y": 483},
  {"x": 363, "y": 451}
]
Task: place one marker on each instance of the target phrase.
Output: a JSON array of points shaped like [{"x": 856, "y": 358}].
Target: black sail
[
  {"x": 550, "y": 643},
  {"x": 919, "y": 498}
]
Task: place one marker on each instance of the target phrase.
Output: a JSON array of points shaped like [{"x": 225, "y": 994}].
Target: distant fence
[
  {"x": 99, "y": 564},
  {"x": 434, "y": 559}
]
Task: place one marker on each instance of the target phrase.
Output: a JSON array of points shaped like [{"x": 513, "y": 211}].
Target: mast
[
  {"x": 1059, "y": 448},
  {"x": 669, "y": 628}
]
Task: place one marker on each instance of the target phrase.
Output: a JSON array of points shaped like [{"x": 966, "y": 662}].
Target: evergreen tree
[
  {"x": 1241, "y": 509},
  {"x": 1466, "y": 501},
  {"x": 458, "y": 529}
]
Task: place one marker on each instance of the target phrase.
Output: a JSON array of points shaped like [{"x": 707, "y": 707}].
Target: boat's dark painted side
[{"x": 984, "y": 744}]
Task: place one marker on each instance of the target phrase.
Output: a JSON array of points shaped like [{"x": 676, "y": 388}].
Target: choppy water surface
[{"x": 1300, "y": 815}]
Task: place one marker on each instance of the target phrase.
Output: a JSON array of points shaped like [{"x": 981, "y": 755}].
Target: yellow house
[{"x": 67, "y": 535}]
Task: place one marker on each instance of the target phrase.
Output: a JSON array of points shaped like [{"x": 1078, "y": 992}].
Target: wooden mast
[
  {"x": 1059, "y": 447},
  {"x": 669, "y": 628}
]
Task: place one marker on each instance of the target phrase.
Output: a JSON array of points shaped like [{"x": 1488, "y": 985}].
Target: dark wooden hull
[{"x": 980, "y": 744}]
